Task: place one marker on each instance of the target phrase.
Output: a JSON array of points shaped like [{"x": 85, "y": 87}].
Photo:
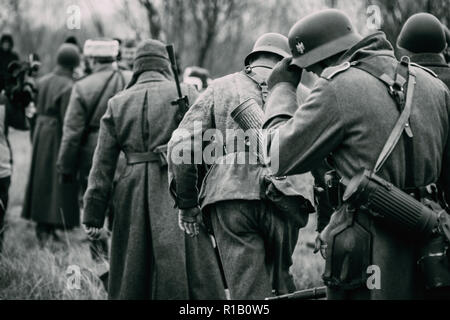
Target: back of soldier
[
  {"x": 369, "y": 113},
  {"x": 423, "y": 39},
  {"x": 128, "y": 109}
]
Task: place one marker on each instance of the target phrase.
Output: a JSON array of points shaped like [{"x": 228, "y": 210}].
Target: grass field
[{"x": 29, "y": 272}]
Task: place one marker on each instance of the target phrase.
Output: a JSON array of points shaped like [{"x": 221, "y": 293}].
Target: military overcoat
[
  {"x": 148, "y": 253},
  {"x": 349, "y": 116},
  {"x": 44, "y": 201},
  {"x": 87, "y": 105}
]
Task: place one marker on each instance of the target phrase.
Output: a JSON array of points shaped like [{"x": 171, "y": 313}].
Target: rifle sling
[{"x": 396, "y": 90}]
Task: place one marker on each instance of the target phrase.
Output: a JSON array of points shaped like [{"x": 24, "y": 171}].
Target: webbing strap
[
  {"x": 401, "y": 125},
  {"x": 396, "y": 89},
  {"x": 260, "y": 81}
]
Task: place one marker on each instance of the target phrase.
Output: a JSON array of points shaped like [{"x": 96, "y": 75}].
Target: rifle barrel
[
  {"x": 173, "y": 63},
  {"x": 308, "y": 294}
]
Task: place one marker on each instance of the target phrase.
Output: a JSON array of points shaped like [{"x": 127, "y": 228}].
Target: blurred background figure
[
  {"x": 128, "y": 52},
  {"x": 198, "y": 77},
  {"x": 422, "y": 38},
  {"x": 88, "y": 103},
  {"x": 7, "y": 55},
  {"x": 12, "y": 114},
  {"x": 44, "y": 202}
]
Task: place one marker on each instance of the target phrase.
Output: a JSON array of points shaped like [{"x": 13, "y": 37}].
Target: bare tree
[
  {"x": 96, "y": 20},
  {"x": 154, "y": 18},
  {"x": 208, "y": 15}
]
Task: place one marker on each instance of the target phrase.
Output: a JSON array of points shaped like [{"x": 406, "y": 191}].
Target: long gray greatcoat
[
  {"x": 436, "y": 63},
  {"x": 44, "y": 200},
  {"x": 148, "y": 253},
  {"x": 87, "y": 105},
  {"x": 350, "y": 116}
]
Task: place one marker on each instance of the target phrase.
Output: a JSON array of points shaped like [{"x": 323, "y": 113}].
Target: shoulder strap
[
  {"x": 98, "y": 98},
  {"x": 262, "y": 83},
  {"x": 331, "y": 72},
  {"x": 403, "y": 121}
]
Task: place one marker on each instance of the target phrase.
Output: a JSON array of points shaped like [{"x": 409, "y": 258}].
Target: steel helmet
[
  {"x": 422, "y": 33},
  {"x": 321, "y": 35},
  {"x": 270, "y": 43},
  {"x": 68, "y": 56}
]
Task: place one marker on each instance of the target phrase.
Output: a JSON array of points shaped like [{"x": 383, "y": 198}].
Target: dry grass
[{"x": 29, "y": 272}]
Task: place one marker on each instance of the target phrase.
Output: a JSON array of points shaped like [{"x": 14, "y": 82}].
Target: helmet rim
[
  {"x": 267, "y": 49},
  {"x": 326, "y": 50}
]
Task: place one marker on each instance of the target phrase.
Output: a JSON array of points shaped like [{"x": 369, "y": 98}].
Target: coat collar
[
  {"x": 373, "y": 45},
  {"x": 105, "y": 67},
  {"x": 61, "y": 71},
  {"x": 429, "y": 59},
  {"x": 150, "y": 76}
]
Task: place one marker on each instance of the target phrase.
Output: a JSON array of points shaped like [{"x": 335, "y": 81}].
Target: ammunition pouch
[
  {"x": 291, "y": 205},
  {"x": 426, "y": 219},
  {"x": 349, "y": 249}
]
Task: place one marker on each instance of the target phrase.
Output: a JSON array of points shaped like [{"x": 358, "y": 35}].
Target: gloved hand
[
  {"x": 92, "y": 232},
  {"x": 188, "y": 220},
  {"x": 285, "y": 72}
]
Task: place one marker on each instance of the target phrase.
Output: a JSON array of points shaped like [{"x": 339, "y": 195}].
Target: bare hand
[
  {"x": 188, "y": 220},
  {"x": 321, "y": 246}
]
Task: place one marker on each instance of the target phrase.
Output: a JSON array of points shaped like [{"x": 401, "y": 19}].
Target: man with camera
[
  {"x": 383, "y": 126},
  {"x": 16, "y": 93}
]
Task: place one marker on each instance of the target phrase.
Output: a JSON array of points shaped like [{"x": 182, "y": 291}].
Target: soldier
[
  {"x": 255, "y": 241},
  {"x": 88, "y": 103},
  {"x": 348, "y": 118},
  {"x": 12, "y": 114},
  {"x": 148, "y": 255},
  {"x": 422, "y": 38},
  {"x": 43, "y": 198},
  {"x": 127, "y": 54}
]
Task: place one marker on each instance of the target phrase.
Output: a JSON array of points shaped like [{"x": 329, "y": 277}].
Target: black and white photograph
[{"x": 231, "y": 156}]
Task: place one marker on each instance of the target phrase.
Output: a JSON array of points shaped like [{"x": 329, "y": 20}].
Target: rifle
[
  {"x": 182, "y": 102},
  {"x": 308, "y": 294}
]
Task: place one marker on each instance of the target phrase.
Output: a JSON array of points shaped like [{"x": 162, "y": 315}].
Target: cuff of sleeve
[
  {"x": 282, "y": 101},
  {"x": 186, "y": 203},
  {"x": 94, "y": 213}
]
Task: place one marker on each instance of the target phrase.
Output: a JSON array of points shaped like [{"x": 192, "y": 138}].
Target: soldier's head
[
  {"x": 68, "y": 56},
  {"x": 422, "y": 33},
  {"x": 151, "y": 55},
  {"x": 6, "y": 42},
  {"x": 318, "y": 40},
  {"x": 129, "y": 52},
  {"x": 101, "y": 51},
  {"x": 269, "y": 46}
]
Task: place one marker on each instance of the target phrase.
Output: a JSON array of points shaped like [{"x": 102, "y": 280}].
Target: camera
[{"x": 20, "y": 88}]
